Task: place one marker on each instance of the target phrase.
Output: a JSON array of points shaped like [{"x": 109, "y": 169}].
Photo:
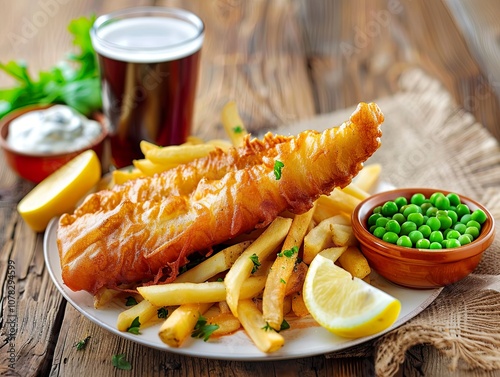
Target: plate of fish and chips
[{"x": 180, "y": 301}]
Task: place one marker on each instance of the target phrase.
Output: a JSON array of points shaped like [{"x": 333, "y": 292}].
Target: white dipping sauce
[{"x": 54, "y": 130}]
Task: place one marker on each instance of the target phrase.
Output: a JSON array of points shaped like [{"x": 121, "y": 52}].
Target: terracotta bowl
[
  {"x": 37, "y": 166},
  {"x": 419, "y": 268}
]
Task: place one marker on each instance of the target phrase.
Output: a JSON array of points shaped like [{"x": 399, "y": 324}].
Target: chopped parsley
[
  {"x": 255, "y": 260},
  {"x": 120, "y": 362},
  {"x": 131, "y": 301},
  {"x": 134, "y": 326},
  {"x": 289, "y": 253},
  {"x": 238, "y": 129},
  {"x": 267, "y": 327},
  {"x": 162, "y": 312},
  {"x": 202, "y": 330},
  {"x": 282, "y": 281},
  {"x": 284, "y": 326},
  {"x": 82, "y": 343},
  {"x": 278, "y": 165}
]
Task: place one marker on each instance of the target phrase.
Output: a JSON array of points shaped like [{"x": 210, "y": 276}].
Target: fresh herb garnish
[
  {"x": 134, "y": 326},
  {"x": 284, "y": 325},
  {"x": 130, "y": 301},
  {"x": 162, "y": 312},
  {"x": 278, "y": 165},
  {"x": 120, "y": 362},
  {"x": 255, "y": 260},
  {"x": 289, "y": 253},
  {"x": 282, "y": 281},
  {"x": 202, "y": 329},
  {"x": 238, "y": 129},
  {"x": 82, "y": 343},
  {"x": 267, "y": 327},
  {"x": 74, "y": 81}
]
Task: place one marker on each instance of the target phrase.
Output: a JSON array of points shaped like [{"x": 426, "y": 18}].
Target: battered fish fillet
[{"x": 143, "y": 231}]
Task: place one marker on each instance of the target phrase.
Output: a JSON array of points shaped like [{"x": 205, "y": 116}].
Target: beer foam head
[{"x": 147, "y": 35}]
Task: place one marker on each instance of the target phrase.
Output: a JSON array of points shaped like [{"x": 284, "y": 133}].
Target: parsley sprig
[
  {"x": 82, "y": 343},
  {"x": 203, "y": 330},
  {"x": 119, "y": 361},
  {"x": 256, "y": 263},
  {"x": 278, "y": 165}
]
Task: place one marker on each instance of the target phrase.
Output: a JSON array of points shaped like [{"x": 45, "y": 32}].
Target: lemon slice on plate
[
  {"x": 61, "y": 191},
  {"x": 347, "y": 307}
]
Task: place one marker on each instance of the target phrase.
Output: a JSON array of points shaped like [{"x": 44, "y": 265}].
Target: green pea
[
  {"x": 425, "y": 230},
  {"x": 474, "y": 224},
  {"x": 425, "y": 206},
  {"x": 373, "y": 218},
  {"x": 431, "y": 211},
  {"x": 469, "y": 236},
  {"x": 404, "y": 241},
  {"x": 434, "y": 196},
  {"x": 459, "y": 227},
  {"x": 401, "y": 201},
  {"x": 436, "y": 236},
  {"x": 393, "y": 226},
  {"x": 462, "y": 209},
  {"x": 372, "y": 228},
  {"x": 416, "y": 218},
  {"x": 399, "y": 217},
  {"x": 407, "y": 227},
  {"x": 453, "y": 216},
  {"x": 390, "y": 237},
  {"x": 389, "y": 208},
  {"x": 381, "y": 221},
  {"x": 454, "y": 199},
  {"x": 434, "y": 223},
  {"x": 417, "y": 199},
  {"x": 473, "y": 231},
  {"x": 452, "y": 243},
  {"x": 464, "y": 240},
  {"x": 411, "y": 208},
  {"x": 423, "y": 244},
  {"x": 415, "y": 236},
  {"x": 453, "y": 234},
  {"x": 479, "y": 216},
  {"x": 379, "y": 231},
  {"x": 445, "y": 221},
  {"x": 435, "y": 246},
  {"x": 466, "y": 218},
  {"x": 442, "y": 202}
]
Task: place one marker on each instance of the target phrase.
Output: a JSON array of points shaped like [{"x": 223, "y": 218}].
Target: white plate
[{"x": 304, "y": 338}]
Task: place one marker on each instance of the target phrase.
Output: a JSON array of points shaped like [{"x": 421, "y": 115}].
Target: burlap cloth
[{"x": 429, "y": 142}]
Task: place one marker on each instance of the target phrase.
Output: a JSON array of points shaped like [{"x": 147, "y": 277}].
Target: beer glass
[{"x": 149, "y": 62}]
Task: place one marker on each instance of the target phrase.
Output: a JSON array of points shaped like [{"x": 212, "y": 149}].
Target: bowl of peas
[{"x": 422, "y": 237}]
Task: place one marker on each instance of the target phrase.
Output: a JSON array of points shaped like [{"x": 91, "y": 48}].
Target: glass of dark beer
[{"x": 149, "y": 62}]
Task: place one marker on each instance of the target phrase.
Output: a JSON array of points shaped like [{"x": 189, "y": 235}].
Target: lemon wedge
[
  {"x": 347, "y": 307},
  {"x": 60, "y": 192}
]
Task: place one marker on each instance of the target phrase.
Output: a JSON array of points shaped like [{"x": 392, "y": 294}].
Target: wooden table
[{"x": 282, "y": 62}]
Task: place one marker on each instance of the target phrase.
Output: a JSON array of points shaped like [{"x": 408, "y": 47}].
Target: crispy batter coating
[{"x": 143, "y": 231}]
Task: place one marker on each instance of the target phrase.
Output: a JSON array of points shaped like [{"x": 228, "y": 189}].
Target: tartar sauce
[{"x": 53, "y": 130}]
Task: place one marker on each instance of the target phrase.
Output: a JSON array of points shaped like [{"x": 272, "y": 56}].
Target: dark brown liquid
[{"x": 147, "y": 101}]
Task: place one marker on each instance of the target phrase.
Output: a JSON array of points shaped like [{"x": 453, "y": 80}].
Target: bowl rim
[
  {"x": 7, "y": 119},
  {"x": 365, "y": 207}
]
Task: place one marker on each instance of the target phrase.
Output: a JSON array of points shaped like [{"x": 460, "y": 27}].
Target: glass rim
[{"x": 128, "y": 13}]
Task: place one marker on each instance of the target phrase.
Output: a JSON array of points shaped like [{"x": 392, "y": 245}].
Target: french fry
[
  {"x": 235, "y": 129},
  {"x": 193, "y": 140},
  {"x": 181, "y": 322},
  {"x": 320, "y": 237},
  {"x": 354, "y": 262},
  {"x": 272, "y": 237},
  {"x": 353, "y": 190},
  {"x": 146, "y": 146},
  {"x": 368, "y": 176},
  {"x": 149, "y": 168},
  {"x": 187, "y": 293},
  {"x": 103, "y": 296},
  {"x": 299, "y": 308},
  {"x": 178, "y": 154},
  {"x": 279, "y": 277},
  {"x": 227, "y": 323},
  {"x": 121, "y": 176},
  {"x": 343, "y": 235},
  {"x": 340, "y": 200},
  {"x": 214, "y": 265},
  {"x": 144, "y": 310},
  {"x": 222, "y": 144},
  {"x": 264, "y": 337}
]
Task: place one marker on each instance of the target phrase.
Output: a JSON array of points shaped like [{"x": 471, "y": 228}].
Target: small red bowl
[
  {"x": 419, "y": 268},
  {"x": 35, "y": 167}
]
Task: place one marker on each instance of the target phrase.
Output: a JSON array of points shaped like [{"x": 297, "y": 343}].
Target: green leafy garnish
[
  {"x": 130, "y": 301},
  {"x": 278, "y": 165},
  {"x": 82, "y": 343},
  {"x": 120, "y": 362},
  {"x": 289, "y": 253},
  {"x": 284, "y": 325},
  {"x": 267, "y": 327},
  {"x": 202, "y": 329},
  {"x": 255, "y": 260},
  {"x": 237, "y": 129},
  {"x": 74, "y": 81},
  {"x": 134, "y": 326},
  {"x": 162, "y": 313},
  {"x": 282, "y": 281}
]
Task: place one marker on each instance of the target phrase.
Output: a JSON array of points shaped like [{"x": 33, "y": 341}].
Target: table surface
[{"x": 282, "y": 62}]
